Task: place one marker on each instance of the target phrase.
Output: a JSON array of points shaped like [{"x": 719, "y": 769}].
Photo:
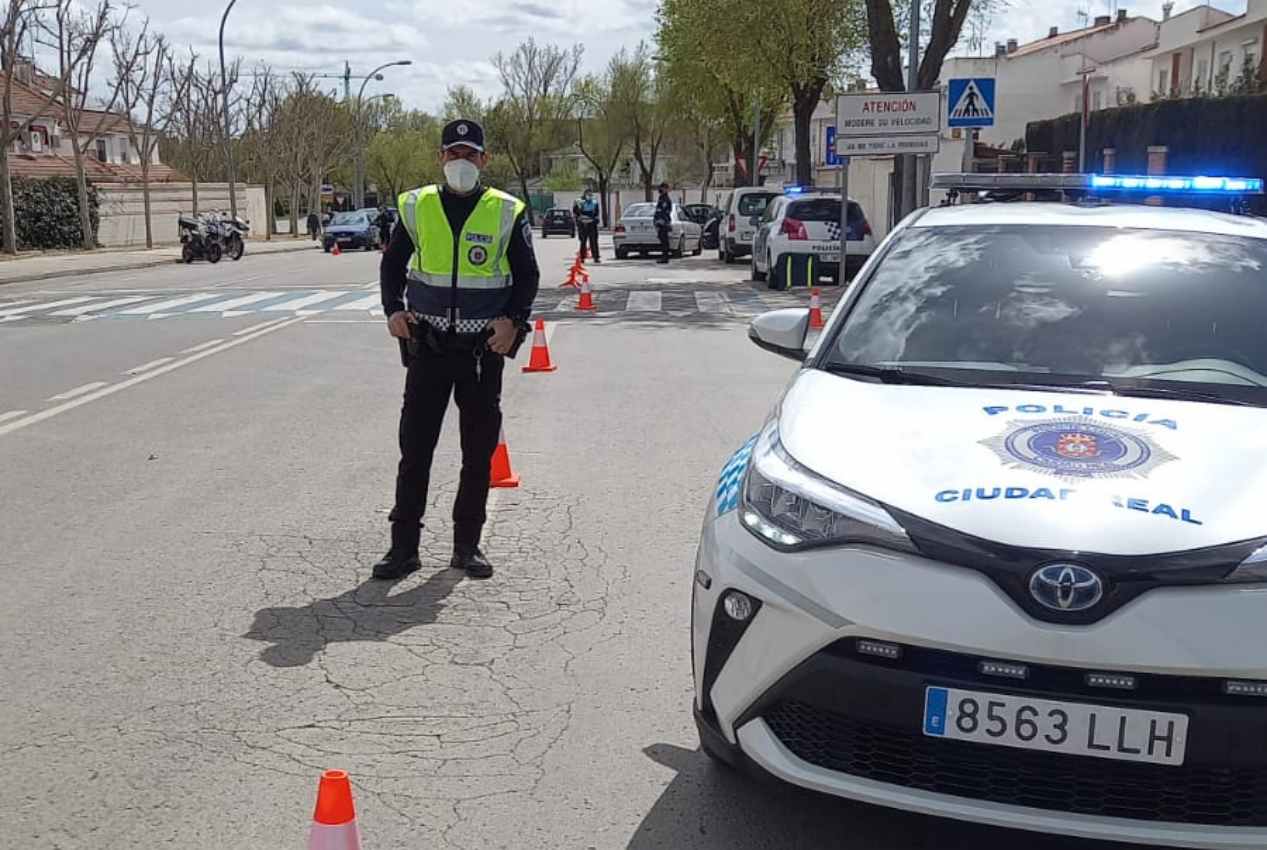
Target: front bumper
[{"x": 795, "y": 699}]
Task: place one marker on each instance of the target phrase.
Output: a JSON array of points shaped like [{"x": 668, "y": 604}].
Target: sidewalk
[{"x": 42, "y": 266}]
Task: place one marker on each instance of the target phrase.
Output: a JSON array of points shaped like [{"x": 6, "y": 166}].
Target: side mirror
[{"x": 782, "y": 331}]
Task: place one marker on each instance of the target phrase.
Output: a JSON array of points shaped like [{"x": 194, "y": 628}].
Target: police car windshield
[{"x": 1068, "y": 306}]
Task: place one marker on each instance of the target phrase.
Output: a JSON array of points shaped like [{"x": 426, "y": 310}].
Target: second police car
[{"x": 998, "y": 553}]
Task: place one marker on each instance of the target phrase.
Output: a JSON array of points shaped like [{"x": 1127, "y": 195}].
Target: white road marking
[
  {"x": 365, "y": 303},
  {"x": 131, "y": 382},
  {"x": 343, "y": 322},
  {"x": 307, "y": 300},
  {"x": 260, "y": 326},
  {"x": 644, "y": 300},
  {"x": 149, "y": 309},
  {"x": 565, "y": 305},
  {"x": 220, "y": 306},
  {"x": 147, "y": 366},
  {"x": 711, "y": 302},
  {"x": 201, "y": 346},
  {"x": 93, "y": 308},
  {"x": 12, "y": 414},
  {"x": 10, "y": 304},
  {"x": 65, "y": 302},
  {"x": 77, "y": 391}
]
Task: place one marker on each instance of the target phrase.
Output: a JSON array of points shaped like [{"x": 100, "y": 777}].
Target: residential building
[
  {"x": 46, "y": 150},
  {"x": 1206, "y": 49}
]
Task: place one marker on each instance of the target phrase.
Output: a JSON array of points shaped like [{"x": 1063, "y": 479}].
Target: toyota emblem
[{"x": 1066, "y": 587}]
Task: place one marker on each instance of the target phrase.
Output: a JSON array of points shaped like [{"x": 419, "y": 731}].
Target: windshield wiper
[
  {"x": 889, "y": 374},
  {"x": 1177, "y": 393}
]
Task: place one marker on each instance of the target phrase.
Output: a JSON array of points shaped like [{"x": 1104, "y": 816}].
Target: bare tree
[
  {"x": 602, "y": 128},
  {"x": 16, "y": 20},
  {"x": 259, "y": 137},
  {"x": 647, "y": 100},
  {"x": 537, "y": 82},
  {"x": 149, "y": 113}
]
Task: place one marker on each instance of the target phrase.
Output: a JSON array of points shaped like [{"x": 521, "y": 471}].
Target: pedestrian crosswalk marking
[
  {"x": 710, "y": 302},
  {"x": 94, "y": 307},
  {"x": 644, "y": 299},
  {"x": 65, "y": 302},
  {"x": 149, "y": 309},
  {"x": 365, "y": 303},
  {"x": 233, "y": 303},
  {"x": 308, "y": 300}
]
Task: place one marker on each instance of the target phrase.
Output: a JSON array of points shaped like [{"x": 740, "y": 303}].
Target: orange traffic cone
[
  {"x": 334, "y": 820},
  {"x": 815, "y": 309},
  {"x": 336, "y": 250},
  {"x": 500, "y": 473},
  {"x": 540, "y": 361},
  {"x": 587, "y": 298}
]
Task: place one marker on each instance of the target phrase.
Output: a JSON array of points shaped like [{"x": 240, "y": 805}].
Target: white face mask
[{"x": 461, "y": 175}]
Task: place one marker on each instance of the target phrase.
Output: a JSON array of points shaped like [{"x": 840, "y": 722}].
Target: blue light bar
[
  {"x": 1182, "y": 185},
  {"x": 793, "y": 190}
]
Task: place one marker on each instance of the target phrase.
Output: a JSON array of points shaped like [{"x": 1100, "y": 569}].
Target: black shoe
[
  {"x": 598, "y": 260},
  {"x": 472, "y": 561},
  {"x": 394, "y": 566}
]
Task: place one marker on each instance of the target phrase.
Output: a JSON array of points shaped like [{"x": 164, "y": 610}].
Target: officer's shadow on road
[
  {"x": 367, "y": 612},
  {"x": 710, "y": 807}
]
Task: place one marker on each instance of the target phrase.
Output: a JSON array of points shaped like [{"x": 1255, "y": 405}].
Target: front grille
[{"x": 1197, "y": 795}]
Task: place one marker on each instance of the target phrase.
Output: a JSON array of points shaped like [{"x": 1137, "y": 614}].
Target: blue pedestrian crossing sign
[{"x": 971, "y": 102}]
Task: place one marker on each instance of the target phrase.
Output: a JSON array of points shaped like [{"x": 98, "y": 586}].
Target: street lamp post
[
  {"x": 228, "y": 127},
  {"x": 358, "y": 191}
]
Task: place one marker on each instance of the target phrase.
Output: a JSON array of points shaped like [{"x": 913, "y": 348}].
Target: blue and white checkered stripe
[{"x": 732, "y": 478}]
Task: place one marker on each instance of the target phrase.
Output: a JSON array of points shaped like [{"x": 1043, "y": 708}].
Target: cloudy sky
[{"x": 454, "y": 42}]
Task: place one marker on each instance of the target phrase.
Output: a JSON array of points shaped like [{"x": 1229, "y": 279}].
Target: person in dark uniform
[
  {"x": 458, "y": 281},
  {"x": 383, "y": 221},
  {"x": 585, "y": 212},
  {"x": 663, "y": 220}
]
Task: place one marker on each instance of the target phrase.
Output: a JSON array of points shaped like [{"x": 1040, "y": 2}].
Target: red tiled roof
[
  {"x": 27, "y": 101},
  {"x": 92, "y": 121},
  {"x": 55, "y": 165},
  {"x": 1062, "y": 38}
]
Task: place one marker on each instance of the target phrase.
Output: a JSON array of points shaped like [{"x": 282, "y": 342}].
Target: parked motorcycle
[
  {"x": 200, "y": 239},
  {"x": 233, "y": 230}
]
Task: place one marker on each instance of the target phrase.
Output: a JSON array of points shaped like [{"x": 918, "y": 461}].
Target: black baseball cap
[{"x": 462, "y": 132}]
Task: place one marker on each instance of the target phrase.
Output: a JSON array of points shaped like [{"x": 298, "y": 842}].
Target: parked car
[
  {"x": 558, "y": 221},
  {"x": 809, "y": 223},
  {"x": 636, "y": 232},
  {"x": 698, "y": 213},
  {"x": 741, "y": 210},
  {"x": 354, "y": 229}
]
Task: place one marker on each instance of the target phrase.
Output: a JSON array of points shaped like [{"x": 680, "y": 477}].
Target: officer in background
[
  {"x": 462, "y": 257},
  {"x": 663, "y": 220},
  {"x": 585, "y": 211}
]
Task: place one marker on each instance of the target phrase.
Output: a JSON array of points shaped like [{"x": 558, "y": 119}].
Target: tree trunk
[
  {"x": 271, "y": 223},
  {"x": 804, "y": 99},
  {"x": 604, "y": 183},
  {"x": 708, "y": 183},
  {"x": 145, "y": 202},
  {"x": 86, "y": 240},
  {"x": 294, "y": 210},
  {"x": 10, "y": 236},
  {"x": 193, "y": 178},
  {"x": 523, "y": 185}
]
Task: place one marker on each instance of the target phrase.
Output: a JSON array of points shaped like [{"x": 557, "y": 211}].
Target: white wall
[{"x": 123, "y": 212}]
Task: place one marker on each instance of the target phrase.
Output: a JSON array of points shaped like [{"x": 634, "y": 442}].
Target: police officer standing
[
  {"x": 461, "y": 257},
  {"x": 585, "y": 211},
  {"x": 663, "y": 220}
]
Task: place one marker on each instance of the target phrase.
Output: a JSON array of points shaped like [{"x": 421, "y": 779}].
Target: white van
[{"x": 741, "y": 210}]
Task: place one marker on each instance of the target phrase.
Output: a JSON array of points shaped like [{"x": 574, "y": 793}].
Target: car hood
[{"x": 1068, "y": 471}]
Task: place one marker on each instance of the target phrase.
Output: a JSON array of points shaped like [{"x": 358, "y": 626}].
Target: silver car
[{"x": 636, "y": 232}]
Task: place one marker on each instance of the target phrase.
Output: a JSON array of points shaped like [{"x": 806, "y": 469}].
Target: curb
[{"x": 124, "y": 267}]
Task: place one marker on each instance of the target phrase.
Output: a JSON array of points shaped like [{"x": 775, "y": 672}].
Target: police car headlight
[
  {"x": 789, "y": 507},
  {"x": 1252, "y": 570}
]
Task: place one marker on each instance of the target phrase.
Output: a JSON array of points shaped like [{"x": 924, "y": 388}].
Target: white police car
[
  {"x": 808, "y": 222},
  {"x": 998, "y": 553}
]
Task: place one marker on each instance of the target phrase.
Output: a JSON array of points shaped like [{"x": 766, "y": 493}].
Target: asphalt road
[{"x": 192, "y": 501}]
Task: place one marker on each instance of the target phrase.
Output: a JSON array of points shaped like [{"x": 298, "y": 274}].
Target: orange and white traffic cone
[
  {"x": 586, "y": 301},
  {"x": 573, "y": 277},
  {"x": 540, "y": 361},
  {"x": 815, "y": 310},
  {"x": 500, "y": 473},
  {"x": 334, "y": 819},
  {"x": 336, "y": 250}
]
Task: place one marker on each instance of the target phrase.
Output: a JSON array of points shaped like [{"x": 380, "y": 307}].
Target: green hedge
[
  {"x": 1205, "y": 136},
  {"x": 47, "y": 213}
]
